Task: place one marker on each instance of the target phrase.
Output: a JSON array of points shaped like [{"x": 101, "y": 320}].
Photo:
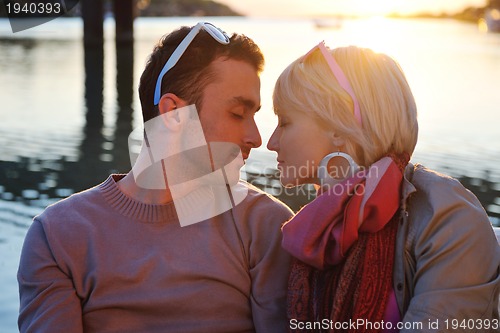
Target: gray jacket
[{"x": 447, "y": 264}]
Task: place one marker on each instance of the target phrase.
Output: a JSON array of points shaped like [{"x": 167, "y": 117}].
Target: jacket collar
[{"x": 407, "y": 188}]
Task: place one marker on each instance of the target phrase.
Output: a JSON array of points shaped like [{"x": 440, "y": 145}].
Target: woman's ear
[{"x": 337, "y": 140}]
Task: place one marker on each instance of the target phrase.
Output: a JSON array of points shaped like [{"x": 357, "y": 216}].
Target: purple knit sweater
[{"x": 100, "y": 261}]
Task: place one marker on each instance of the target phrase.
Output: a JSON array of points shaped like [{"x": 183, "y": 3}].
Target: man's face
[{"x": 230, "y": 103}]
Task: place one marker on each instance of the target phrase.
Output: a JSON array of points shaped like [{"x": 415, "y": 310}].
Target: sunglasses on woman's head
[{"x": 339, "y": 75}]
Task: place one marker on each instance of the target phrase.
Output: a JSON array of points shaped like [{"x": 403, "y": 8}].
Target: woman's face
[{"x": 301, "y": 144}]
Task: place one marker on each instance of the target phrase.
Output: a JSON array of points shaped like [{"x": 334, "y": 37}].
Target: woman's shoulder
[
  {"x": 426, "y": 178},
  {"x": 440, "y": 203},
  {"x": 439, "y": 189},
  {"x": 447, "y": 233}
]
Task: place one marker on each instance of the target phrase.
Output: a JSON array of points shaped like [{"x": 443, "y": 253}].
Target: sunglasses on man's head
[{"x": 216, "y": 33}]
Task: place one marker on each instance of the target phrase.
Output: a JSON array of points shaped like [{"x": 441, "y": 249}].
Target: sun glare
[
  {"x": 375, "y": 8},
  {"x": 347, "y": 7}
]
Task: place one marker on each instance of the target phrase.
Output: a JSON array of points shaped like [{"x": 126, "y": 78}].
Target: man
[{"x": 115, "y": 258}]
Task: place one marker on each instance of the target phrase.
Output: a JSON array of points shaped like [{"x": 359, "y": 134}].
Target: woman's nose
[{"x": 273, "y": 143}]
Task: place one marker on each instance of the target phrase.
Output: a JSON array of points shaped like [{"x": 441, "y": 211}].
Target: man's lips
[{"x": 245, "y": 154}]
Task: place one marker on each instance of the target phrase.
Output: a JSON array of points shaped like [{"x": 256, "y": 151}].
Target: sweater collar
[{"x": 134, "y": 209}]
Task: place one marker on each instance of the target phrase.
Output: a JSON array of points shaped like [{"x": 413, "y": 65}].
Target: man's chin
[{"x": 289, "y": 183}]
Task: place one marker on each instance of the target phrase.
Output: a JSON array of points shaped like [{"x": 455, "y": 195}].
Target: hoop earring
[{"x": 323, "y": 174}]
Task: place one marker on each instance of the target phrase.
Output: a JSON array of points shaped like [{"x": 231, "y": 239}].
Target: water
[{"x": 66, "y": 113}]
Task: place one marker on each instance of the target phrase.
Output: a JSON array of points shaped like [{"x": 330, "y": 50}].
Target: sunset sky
[{"x": 348, "y": 7}]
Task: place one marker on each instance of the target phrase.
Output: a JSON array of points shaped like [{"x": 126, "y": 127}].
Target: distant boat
[
  {"x": 328, "y": 23},
  {"x": 491, "y": 21}
]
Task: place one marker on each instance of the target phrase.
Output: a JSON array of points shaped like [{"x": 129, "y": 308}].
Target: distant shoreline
[{"x": 470, "y": 14}]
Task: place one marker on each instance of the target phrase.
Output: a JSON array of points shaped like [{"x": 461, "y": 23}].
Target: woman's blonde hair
[{"x": 388, "y": 109}]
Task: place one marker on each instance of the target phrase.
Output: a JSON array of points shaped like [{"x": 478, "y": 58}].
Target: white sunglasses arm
[{"x": 174, "y": 58}]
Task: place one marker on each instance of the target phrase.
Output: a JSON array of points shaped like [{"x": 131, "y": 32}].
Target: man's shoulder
[
  {"x": 260, "y": 216},
  {"x": 260, "y": 209},
  {"x": 74, "y": 206},
  {"x": 257, "y": 198}
]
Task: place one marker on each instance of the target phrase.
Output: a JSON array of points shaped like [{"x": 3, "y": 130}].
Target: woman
[{"x": 386, "y": 245}]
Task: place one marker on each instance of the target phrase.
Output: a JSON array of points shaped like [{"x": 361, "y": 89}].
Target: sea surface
[{"x": 66, "y": 112}]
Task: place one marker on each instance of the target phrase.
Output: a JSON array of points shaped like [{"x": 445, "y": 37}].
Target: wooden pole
[
  {"x": 93, "y": 19},
  {"x": 124, "y": 20}
]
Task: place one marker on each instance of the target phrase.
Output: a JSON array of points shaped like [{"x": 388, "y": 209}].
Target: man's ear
[
  {"x": 169, "y": 106},
  {"x": 169, "y": 102}
]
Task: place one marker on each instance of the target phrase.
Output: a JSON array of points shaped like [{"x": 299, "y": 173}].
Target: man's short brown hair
[{"x": 193, "y": 71}]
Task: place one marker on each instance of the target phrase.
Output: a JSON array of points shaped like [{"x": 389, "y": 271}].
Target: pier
[{"x": 93, "y": 19}]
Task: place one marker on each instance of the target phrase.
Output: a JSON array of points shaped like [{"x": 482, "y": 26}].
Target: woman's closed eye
[{"x": 282, "y": 122}]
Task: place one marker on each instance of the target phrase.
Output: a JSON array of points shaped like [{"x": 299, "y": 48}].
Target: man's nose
[{"x": 253, "y": 137}]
